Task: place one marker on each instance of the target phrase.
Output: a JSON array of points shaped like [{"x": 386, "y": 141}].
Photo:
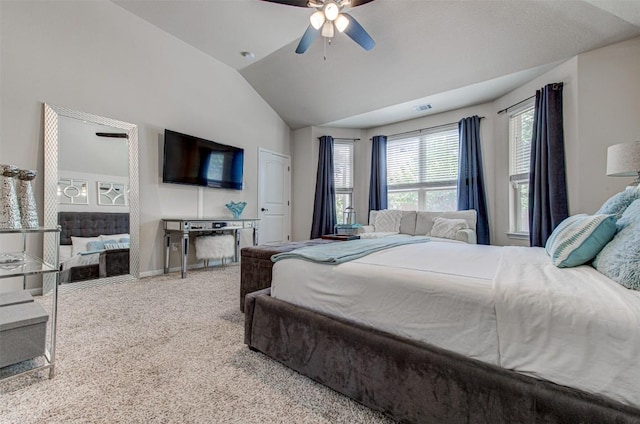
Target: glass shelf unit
[{"x": 21, "y": 264}]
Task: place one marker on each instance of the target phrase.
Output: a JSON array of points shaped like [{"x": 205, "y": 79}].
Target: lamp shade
[
  {"x": 327, "y": 30},
  {"x": 317, "y": 19},
  {"x": 331, "y": 10},
  {"x": 341, "y": 22},
  {"x": 623, "y": 160}
]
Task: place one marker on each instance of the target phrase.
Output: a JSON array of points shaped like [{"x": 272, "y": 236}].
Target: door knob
[{"x": 264, "y": 210}]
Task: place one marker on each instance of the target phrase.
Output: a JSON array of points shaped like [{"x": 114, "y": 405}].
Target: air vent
[{"x": 422, "y": 108}]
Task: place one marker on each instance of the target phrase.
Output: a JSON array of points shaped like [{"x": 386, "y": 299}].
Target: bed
[
  {"x": 456, "y": 333},
  {"x": 80, "y": 264}
]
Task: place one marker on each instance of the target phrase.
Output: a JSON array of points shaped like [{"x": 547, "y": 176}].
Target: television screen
[{"x": 196, "y": 161}]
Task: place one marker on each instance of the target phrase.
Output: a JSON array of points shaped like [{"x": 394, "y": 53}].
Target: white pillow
[
  {"x": 64, "y": 252},
  {"x": 446, "y": 227},
  {"x": 80, "y": 244},
  {"x": 388, "y": 221}
]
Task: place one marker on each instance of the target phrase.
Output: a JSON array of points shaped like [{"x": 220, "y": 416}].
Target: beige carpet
[{"x": 167, "y": 350}]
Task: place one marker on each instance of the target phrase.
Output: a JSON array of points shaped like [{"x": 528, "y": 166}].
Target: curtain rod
[
  {"x": 342, "y": 139},
  {"x": 424, "y": 129},
  {"x": 554, "y": 86},
  {"x": 516, "y": 104}
]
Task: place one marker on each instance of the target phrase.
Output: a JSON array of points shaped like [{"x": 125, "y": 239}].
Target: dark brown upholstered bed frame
[
  {"x": 410, "y": 381},
  {"x": 92, "y": 224}
]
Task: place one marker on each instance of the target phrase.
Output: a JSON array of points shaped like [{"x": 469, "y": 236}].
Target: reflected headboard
[{"x": 91, "y": 224}]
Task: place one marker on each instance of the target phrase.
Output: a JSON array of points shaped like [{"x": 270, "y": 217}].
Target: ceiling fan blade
[
  {"x": 309, "y": 35},
  {"x": 298, "y": 3},
  {"x": 355, "y": 3},
  {"x": 358, "y": 34}
]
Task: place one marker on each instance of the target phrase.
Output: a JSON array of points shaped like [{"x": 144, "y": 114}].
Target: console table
[{"x": 185, "y": 227}]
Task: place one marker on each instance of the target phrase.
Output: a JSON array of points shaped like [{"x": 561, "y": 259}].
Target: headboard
[{"x": 91, "y": 224}]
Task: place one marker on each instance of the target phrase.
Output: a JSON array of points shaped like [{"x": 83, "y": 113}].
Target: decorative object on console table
[
  {"x": 26, "y": 199},
  {"x": 623, "y": 160},
  {"x": 10, "y": 210},
  {"x": 236, "y": 208},
  {"x": 347, "y": 229},
  {"x": 349, "y": 215}
]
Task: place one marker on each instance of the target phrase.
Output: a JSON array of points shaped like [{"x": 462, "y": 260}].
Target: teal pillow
[
  {"x": 619, "y": 202},
  {"x": 620, "y": 258},
  {"x": 93, "y": 246},
  {"x": 579, "y": 238}
]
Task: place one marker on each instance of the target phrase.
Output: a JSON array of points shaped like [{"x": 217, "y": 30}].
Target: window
[
  {"x": 422, "y": 170},
  {"x": 343, "y": 176},
  {"x": 520, "y": 134}
]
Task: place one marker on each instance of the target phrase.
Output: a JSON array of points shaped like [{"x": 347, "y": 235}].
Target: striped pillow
[
  {"x": 112, "y": 246},
  {"x": 579, "y": 238}
]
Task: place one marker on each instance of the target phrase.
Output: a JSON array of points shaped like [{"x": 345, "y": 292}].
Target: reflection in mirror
[
  {"x": 112, "y": 194},
  {"x": 72, "y": 192},
  {"x": 83, "y": 151}
]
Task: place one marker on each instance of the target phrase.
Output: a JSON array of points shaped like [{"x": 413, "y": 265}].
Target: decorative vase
[
  {"x": 26, "y": 199},
  {"x": 236, "y": 208},
  {"x": 9, "y": 208}
]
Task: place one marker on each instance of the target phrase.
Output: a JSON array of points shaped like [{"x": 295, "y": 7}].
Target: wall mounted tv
[{"x": 196, "y": 161}]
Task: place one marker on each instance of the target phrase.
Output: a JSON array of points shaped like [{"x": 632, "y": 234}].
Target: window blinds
[
  {"x": 521, "y": 131},
  {"x": 429, "y": 157},
  {"x": 343, "y": 165}
]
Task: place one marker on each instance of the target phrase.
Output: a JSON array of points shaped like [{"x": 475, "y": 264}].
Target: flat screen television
[{"x": 196, "y": 161}]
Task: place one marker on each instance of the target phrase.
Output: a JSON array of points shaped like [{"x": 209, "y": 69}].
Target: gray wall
[{"x": 98, "y": 58}]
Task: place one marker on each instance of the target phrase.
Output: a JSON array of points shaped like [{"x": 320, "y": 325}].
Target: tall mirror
[{"x": 91, "y": 191}]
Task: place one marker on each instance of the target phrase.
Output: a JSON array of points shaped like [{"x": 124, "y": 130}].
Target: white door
[{"x": 274, "y": 193}]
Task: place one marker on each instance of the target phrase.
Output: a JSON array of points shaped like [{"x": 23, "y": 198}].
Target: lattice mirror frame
[{"x": 52, "y": 114}]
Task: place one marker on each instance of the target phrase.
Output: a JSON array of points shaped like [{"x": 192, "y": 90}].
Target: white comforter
[
  {"x": 508, "y": 306},
  {"x": 437, "y": 293},
  {"x": 80, "y": 260},
  {"x": 572, "y": 326}
]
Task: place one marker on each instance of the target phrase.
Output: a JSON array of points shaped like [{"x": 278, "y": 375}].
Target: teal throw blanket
[{"x": 343, "y": 251}]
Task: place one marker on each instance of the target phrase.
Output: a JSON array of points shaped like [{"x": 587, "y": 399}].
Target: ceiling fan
[{"x": 327, "y": 18}]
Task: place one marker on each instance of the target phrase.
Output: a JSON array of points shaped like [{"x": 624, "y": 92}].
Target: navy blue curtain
[
  {"x": 548, "y": 204},
  {"x": 471, "y": 193},
  {"x": 324, "y": 206},
  {"x": 378, "y": 181}
]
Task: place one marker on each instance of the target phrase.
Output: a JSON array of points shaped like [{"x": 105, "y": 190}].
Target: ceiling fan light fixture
[
  {"x": 317, "y": 19},
  {"x": 331, "y": 10},
  {"x": 327, "y": 30},
  {"x": 342, "y": 22}
]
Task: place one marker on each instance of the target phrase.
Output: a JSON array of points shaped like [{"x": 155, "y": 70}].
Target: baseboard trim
[{"x": 157, "y": 272}]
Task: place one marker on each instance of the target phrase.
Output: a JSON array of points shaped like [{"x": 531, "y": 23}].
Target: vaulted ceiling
[{"x": 449, "y": 54}]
